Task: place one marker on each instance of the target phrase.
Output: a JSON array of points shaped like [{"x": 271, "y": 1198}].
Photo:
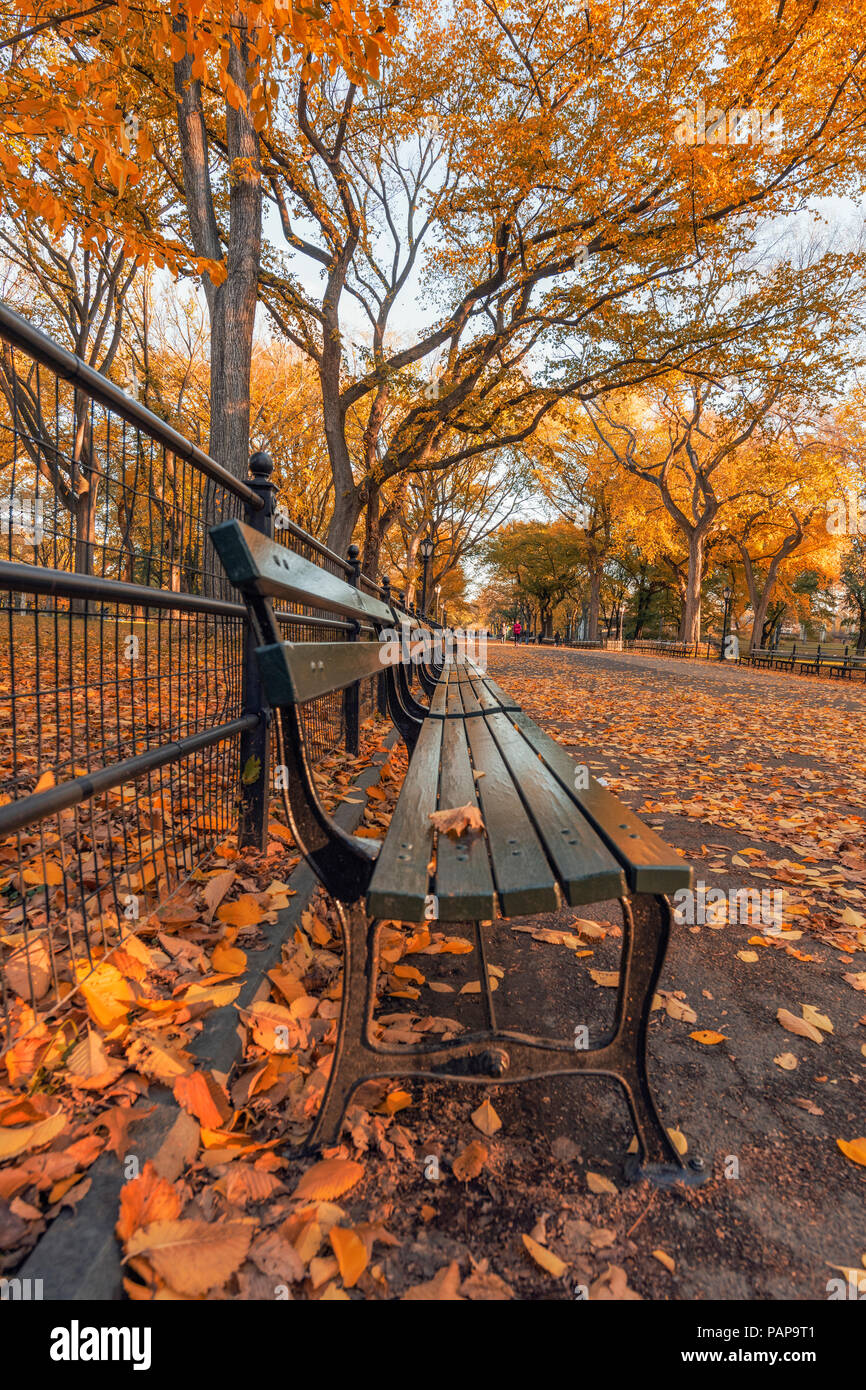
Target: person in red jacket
[{"x": 517, "y": 629}]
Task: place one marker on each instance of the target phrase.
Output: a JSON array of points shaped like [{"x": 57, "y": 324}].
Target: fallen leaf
[
  {"x": 329, "y": 1178},
  {"x": 811, "y": 1015},
  {"x": 793, "y": 1024},
  {"x": 786, "y": 1060},
  {"x": 469, "y": 1163},
  {"x": 17, "y": 1141},
  {"x": 351, "y": 1253},
  {"x": 146, "y": 1199},
  {"x": 596, "y": 1182},
  {"x": 442, "y": 1288},
  {"x": 228, "y": 960},
  {"x": 483, "y": 1286},
  {"x": 667, "y": 1260},
  {"x": 708, "y": 1037},
  {"x": 486, "y": 1119},
  {"x": 608, "y": 978},
  {"x": 855, "y": 1149},
  {"x": 459, "y": 820},
  {"x": 613, "y": 1284},
  {"x": 544, "y": 1257},
  {"x": 202, "y": 1096},
  {"x": 216, "y": 889},
  {"x": 193, "y": 1256},
  {"x": 245, "y": 911},
  {"x": 809, "y": 1105}
]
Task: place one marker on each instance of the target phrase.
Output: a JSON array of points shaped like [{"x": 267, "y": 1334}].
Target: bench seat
[{"x": 547, "y": 837}]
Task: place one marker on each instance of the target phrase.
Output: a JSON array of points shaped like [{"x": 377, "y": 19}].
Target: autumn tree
[
  {"x": 853, "y": 576},
  {"x": 123, "y": 98},
  {"x": 545, "y": 560},
  {"x": 529, "y": 175}
]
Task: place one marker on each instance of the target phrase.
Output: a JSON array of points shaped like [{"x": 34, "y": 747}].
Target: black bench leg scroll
[
  {"x": 647, "y": 922},
  {"x": 348, "y": 1065}
]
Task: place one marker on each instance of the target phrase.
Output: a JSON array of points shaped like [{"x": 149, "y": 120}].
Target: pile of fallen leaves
[{"x": 71, "y": 1078}]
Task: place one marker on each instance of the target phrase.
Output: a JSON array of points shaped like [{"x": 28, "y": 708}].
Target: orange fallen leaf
[
  {"x": 351, "y": 1253},
  {"x": 707, "y": 1036},
  {"x": 228, "y": 960},
  {"x": 193, "y": 1256},
  {"x": 201, "y": 1095},
  {"x": 145, "y": 1199},
  {"x": 545, "y": 1258},
  {"x": 442, "y": 1288},
  {"x": 245, "y": 911},
  {"x": 793, "y": 1024},
  {"x": 470, "y": 1162},
  {"x": 855, "y": 1149},
  {"x": 486, "y": 1119},
  {"x": 329, "y": 1178}
]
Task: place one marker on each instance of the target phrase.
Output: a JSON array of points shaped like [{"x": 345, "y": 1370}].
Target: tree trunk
[
  {"x": 691, "y": 625},
  {"x": 372, "y": 534},
  {"x": 594, "y": 595},
  {"x": 232, "y": 304}
]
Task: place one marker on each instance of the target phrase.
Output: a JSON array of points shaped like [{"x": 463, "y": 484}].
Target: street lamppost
[
  {"x": 437, "y": 591},
  {"x": 727, "y": 594},
  {"x": 426, "y": 547}
]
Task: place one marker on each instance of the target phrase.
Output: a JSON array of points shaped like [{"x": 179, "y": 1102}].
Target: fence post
[
  {"x": 352, "y": 693},
  {"x": 255, "y": 742},
  {"x": 381, "y": 688}
]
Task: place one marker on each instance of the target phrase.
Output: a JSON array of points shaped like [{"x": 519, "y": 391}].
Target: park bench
[
  {"x": 551, "y": 834},
  {"x": 816, "y": 663}
]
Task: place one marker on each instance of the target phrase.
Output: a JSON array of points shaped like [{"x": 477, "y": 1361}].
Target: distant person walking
[{"x": 517, "y": 629}]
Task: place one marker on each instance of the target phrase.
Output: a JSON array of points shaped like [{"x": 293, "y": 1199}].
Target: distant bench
[
  {"x": 549, "y": 836},
  {"x": 816, "y": 663}
]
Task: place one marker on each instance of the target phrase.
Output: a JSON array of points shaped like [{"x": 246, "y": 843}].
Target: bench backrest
[
  {"x": 261, "y": 567},
  {"x": 294, "y": 672}
]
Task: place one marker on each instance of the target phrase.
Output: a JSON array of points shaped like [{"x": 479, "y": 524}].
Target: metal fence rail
[{"x": 129, "y": 698}]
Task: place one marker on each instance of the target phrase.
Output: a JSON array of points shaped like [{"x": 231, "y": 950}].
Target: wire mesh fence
[{"x": 125, "y": 710}]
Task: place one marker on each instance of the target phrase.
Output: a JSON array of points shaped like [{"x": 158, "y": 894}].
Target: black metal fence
[{"x": 130, "y": 716}]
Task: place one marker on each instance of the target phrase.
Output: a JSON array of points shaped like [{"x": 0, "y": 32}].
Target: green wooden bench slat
[
  {"x": 464, "y": 884},
  {"x": 504, "y": 700},
  {"x": 651, "y": 866},
  {"x": 524, "y": 879},
  {"x": 293, "y": 672},
  {"x": 438, "y": 698},
  {"x": 585, "y": 866},
  {"x": 257, "y": 565},
  {"x": 399, "y": 885}
]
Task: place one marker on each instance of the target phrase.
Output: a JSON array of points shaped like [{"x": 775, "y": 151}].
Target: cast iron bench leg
[
  {"x": 647, "y": 923},
  {"x": 622, "y": 1056},
  {"x": 348, "y": 1068}
]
